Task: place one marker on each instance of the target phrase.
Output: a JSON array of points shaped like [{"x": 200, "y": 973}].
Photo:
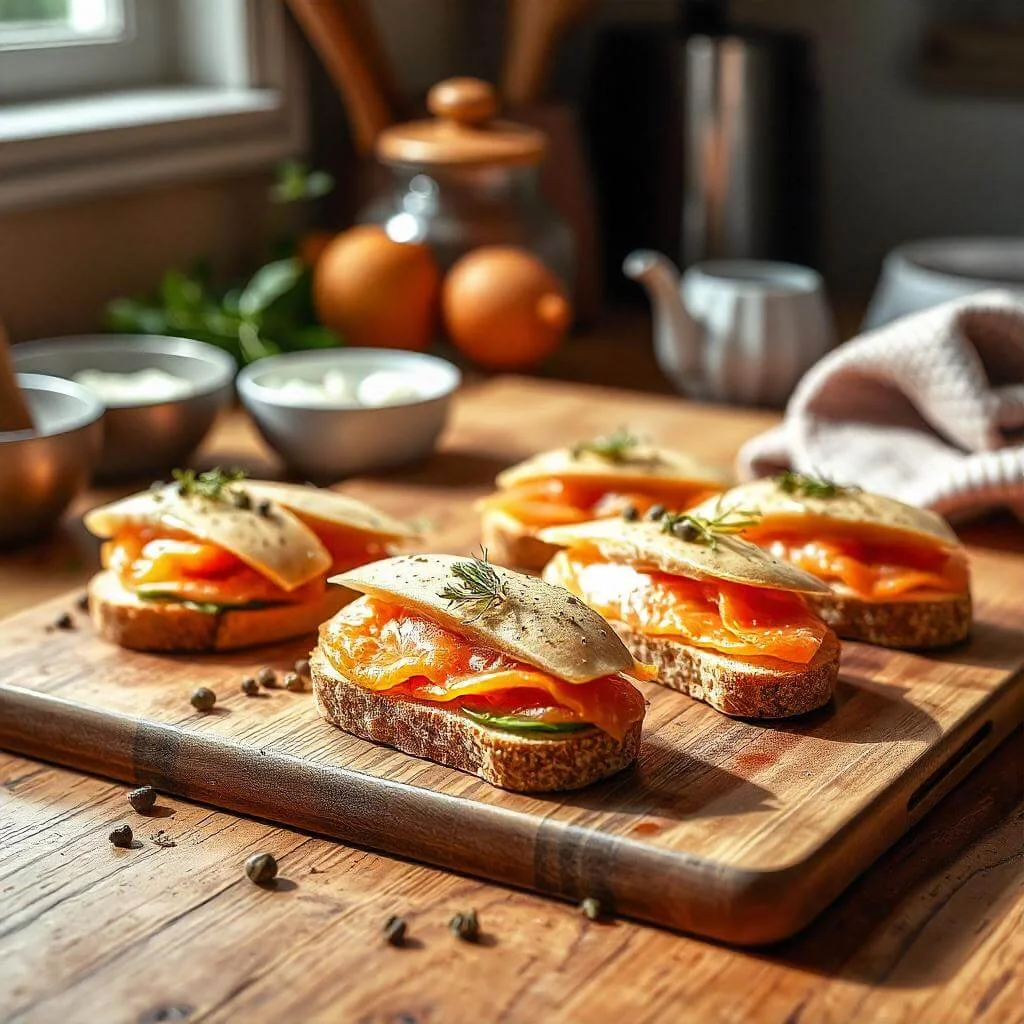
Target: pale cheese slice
[
  {"x": 535, "y": 622},
  {"x": 645, "y": 545},
  {"x": 649, "y": 463},
  {"x": 779, "y": 509}
]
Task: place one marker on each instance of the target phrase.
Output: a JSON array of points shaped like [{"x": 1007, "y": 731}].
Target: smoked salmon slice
[
  {"x": 552, "y": 502},
  {"x": 163, "y": 560},
  {"x": 731, "y": 618},
  {"x": 382, "y": 647},
  {"x": 873, "y": 570}
]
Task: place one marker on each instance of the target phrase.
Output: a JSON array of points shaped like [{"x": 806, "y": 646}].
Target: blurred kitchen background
[{"x": 824, "y": 133}]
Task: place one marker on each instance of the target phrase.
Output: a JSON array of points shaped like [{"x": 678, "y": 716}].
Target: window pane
[
  {"x": 34, "y": 10},
  {"x": 26, "y": 23}
]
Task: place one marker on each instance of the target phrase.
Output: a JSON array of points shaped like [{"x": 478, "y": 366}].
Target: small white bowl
[
  {"x": 918, "y": 275},
  {"x": 326, "y": 441},
  {"x": 142, "y": 438}
]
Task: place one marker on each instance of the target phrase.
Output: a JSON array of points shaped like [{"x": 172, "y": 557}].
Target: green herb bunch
[
  {"x": 615, "y": 447},
  {"x": 212, "y": 483},
  {"x": 478, "y": 589},
  {"x": 271, "y": 312},
  {"x": 807, "y": 486},
  {"x": 707, "y": 529}
]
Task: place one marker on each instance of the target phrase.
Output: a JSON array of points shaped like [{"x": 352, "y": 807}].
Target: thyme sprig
[
  {"x": 615, "y": 447},
  {"x": 212, "y": 484},
  {"x": 807, "y": 485},
  {"x": 479, "y": 590},
  {"x": 707, "y": 529}
]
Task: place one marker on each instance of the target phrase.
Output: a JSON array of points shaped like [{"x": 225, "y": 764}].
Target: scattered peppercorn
[
  {"x": 591, "y": 908},
  {"x": 142, "y": 799},
  {"x": 267, "y": 677},
  {"x": 685, "y": 531},
  {"x": 630, "y": 514},
  {"x": 122, "y": 837},
  {"x": 241, "y": 499},
  {"x": 293, "y": 682},
  {"x": 394, "y": 931},
  {"x": 64, "y": 621},
  {"x": 465, "y": 926},
  {"x": 250, "y": 687},
  {"x": 203, "y": 698},
  {"x": 263, "y": 508},
  {"x": 655, "y": 512},
  {"x": 302, "y": 667},
  {"x": 82, "y": 604},
  {"x": 261, "y": 868}
]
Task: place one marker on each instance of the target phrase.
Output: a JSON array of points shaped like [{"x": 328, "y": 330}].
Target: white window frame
[{"x": 238, "y": 110}]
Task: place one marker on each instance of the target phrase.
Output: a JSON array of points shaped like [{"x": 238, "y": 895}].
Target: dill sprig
[
  {"x": 807, "y": 486},
  {"x": 616, "y": 447},
  {"x": 479, "y": 588},
  {"x": 210, "y": 484},
  {"x": 707, "y": 529}
]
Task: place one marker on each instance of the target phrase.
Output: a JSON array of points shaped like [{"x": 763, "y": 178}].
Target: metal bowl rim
[
  {"x": 220, "y": 362},
  {"x": 93, "y": 411}
]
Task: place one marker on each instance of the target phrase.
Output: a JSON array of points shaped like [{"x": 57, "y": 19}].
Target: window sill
[{"x": 74, "y": 148}]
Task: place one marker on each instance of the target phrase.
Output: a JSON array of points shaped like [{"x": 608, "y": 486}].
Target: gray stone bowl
[
  {"x": 42, "y": 470},
  {"x": 142, "y": 438}
]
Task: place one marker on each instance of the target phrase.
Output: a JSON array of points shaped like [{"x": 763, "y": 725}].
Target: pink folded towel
[{"x": 928, "y": 409}]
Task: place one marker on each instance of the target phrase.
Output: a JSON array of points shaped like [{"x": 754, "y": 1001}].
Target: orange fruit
[
  {"x": 503, "y": 308},
  {"x": 377, "y": 292}
]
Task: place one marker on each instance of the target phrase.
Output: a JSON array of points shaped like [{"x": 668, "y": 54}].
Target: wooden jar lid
[{"x": 463, "y": 131}]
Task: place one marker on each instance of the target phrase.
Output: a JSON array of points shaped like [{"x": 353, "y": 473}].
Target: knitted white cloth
[{"x": 928, "y": 409}]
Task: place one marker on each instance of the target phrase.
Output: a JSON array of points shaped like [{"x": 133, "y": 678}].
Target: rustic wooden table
[{"x": 934, "y": 932}]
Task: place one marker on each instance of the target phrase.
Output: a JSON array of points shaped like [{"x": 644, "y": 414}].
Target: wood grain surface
[
  {"x": 726, "y": 828},
  {"x": 934, "y": 934}
]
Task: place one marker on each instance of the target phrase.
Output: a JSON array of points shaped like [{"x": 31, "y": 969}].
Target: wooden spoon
[
  {"x": 14, "y": 411},
  {"x": 534, "y": 30},
  {"x": 343, "y": 34}
]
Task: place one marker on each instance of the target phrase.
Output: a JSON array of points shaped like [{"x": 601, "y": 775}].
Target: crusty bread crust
[
  {"x": 511, "y": 542},
  {"x": 519, "y": 763},
  {"x": 120, "y": 617},
  {"x": 741, "y": 687},
  {"x": 938, "y": 622}
]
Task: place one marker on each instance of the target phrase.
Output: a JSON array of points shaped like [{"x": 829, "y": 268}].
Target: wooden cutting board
[{"x": 730, "y": 829}]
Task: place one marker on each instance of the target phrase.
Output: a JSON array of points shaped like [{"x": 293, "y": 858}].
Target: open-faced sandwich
[
  {"x": 897, "y": 575},
  {"x": 604, "y": 477},
  {"x": 719, "y": 618},
  {"x": 481, "y": 669},
  {"x": 215, "y": 561}
]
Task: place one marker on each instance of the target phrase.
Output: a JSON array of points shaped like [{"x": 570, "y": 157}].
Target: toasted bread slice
[
  {"x": 908, "y": 624},
  {"x": 511, "y": 542},
  {"x": 523, "y": 764},
  {"x": 122, "y": 618},
  {"x": 741, "y": 687}
]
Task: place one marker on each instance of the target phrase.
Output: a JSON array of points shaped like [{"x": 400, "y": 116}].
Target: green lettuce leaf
[{"x": 513, "y": 723}]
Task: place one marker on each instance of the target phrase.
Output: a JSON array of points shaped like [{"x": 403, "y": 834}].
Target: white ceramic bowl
[
  {"x": 142, "y": 438},
  {"x": 41, "y": 470},
  {"x": 326, "y": 442},
  {"x": 918, "y": 275}
]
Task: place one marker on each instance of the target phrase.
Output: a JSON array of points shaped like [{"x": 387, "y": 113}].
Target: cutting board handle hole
[{"x": 946, "y": 768}]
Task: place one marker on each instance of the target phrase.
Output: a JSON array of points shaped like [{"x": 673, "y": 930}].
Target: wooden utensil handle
[
  {"x": 14, "y": 411},
  {"x": 334, "y": 32},
  {"x": 535, "y": 27}
]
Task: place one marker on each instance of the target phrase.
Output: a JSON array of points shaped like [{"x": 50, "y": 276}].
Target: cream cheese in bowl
[
  {"x": 350, "y": 388},
  {"x": 139, "y": 388}
]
